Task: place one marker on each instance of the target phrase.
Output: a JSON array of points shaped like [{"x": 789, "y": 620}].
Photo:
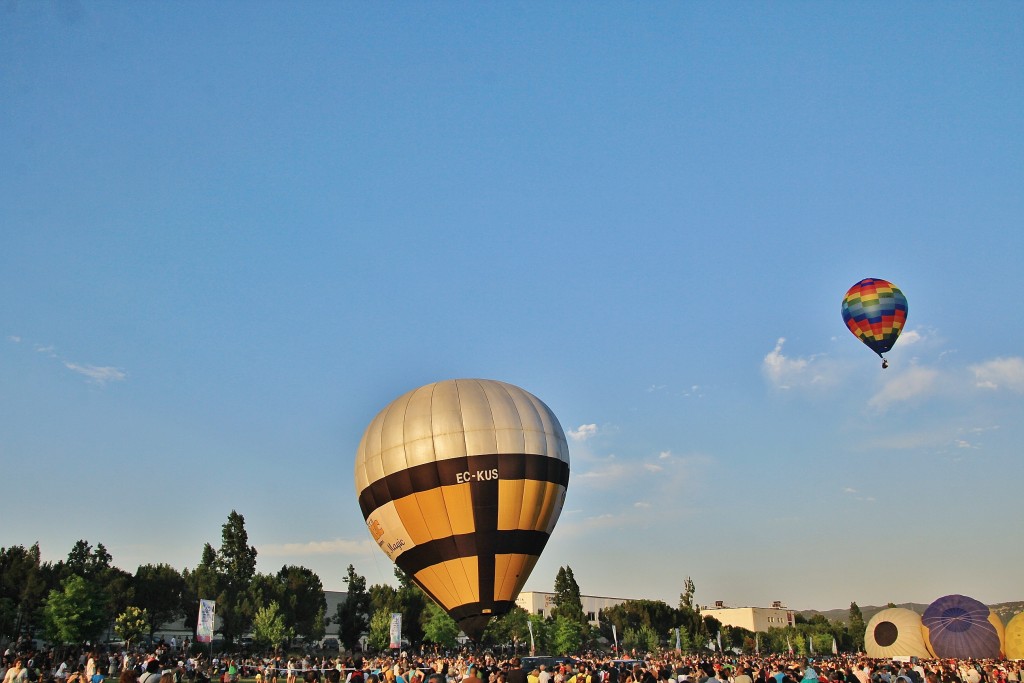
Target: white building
[
  {"x": 543, "y": 603},
  {"x": 752, "y": 618}
]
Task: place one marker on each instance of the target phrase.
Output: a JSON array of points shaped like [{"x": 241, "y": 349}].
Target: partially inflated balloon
[
  {"x": 959, "y": 627},
  {"x": 895, "y": 632},
  {"x": 1015, "y": 637},
  {"x": 875, "y": 311},
  {"x": 461, "y": 483}
]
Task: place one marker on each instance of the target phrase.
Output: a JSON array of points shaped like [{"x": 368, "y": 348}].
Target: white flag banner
[
  {"x": 835, "y": 646},
  {"x": 204, "y": 626},
  {"x": 396, "y": 631},
  {"x": 615, "y": 638},
  {"x": 679, "y": 646},
  {"x": 533, "y": 646},
  {"x": 810, "y": 645}
]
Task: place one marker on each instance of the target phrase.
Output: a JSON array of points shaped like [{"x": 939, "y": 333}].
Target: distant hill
[{"x": 1005, "y": 610}]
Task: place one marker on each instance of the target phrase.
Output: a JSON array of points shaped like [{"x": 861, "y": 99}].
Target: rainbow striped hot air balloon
[
  {"x": 875, "y": 311},
  {"x": 959, "y": 627}
]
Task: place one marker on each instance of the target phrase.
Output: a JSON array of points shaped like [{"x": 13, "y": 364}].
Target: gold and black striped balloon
[{"x": 461, "y": 483}]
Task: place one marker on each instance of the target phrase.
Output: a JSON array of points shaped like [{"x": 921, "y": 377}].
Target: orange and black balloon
[{"x": 460, "y": 483}]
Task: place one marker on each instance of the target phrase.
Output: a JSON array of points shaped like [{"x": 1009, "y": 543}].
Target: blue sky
[{"x": 233, "y": 232}]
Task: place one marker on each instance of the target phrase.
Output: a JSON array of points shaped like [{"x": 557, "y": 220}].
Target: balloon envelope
[
  {"x": 460, "y": 483},
  {"x": 1015, "y": 637},
  {"x": 875, "y": 311},
  {"x": 895, "y": 632},
  {"x": 960, "y": 627}
]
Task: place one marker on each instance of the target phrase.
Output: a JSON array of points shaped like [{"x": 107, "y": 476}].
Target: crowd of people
[{"x": 172, "y": 665}]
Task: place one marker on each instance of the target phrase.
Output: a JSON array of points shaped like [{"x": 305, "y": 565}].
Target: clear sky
[{"x": 232, "y": 232}]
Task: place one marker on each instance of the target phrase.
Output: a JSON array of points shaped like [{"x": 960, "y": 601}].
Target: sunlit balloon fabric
[
  {"x": 875, "y": 311},
  {"x": 461, "y": 483},
  {"x": 895, "y": 632},
  {"x": 1015, "y": 637},
  {"x": 959, "y": 627}
]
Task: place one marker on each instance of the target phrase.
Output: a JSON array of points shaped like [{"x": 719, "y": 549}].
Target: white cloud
[
  {"x": 905, "y": 386},
  {"x": 651, "y": 467},
  {"x": 642, "y": 504},
  {"x": 964, "y": 443},
  {"x": 583, "y": 432},
  {"x": 849, "y": 489},
  {"x": 1000, "y": 373},
  {"x": 14, "y": 338},
  {"x": 338, "y": 546},
  {"x": 664, "y": 455},
  {"x": 656, "y": 387},
  {"x": 98, "y": 374},
  {"x": 786, "y": 373},
  {"x": 910, "y": 337}
]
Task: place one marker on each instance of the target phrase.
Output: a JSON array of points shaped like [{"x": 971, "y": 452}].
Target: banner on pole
[
  {"x": 396, "y": 631},
  {"x": 204, "y": 627},
  {"x": 533, "y": 647},
  {"x": 679, "y": 646},
  {"x": 615, "y": 638}
]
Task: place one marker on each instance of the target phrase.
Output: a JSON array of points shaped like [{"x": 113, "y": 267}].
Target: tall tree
[
  {"x": 856, "y": 628},
  {"x": 131, "y": 624},
  {"x": 236, "y": 566},
  {"x": 158, "y": 590},
  {"x": 23, "y": 588},
  {"x": 686, "y": 597},
  {"x": 304, "y": 603},
  {"x": 353, "y": 613},
  {"x": 567, "y": 600}
]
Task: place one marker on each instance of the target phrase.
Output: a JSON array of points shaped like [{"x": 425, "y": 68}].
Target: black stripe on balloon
[
  {"x": 466, "y": 469},
  {"x": 474, "y": 609},
  {"x": 484, "y": 493},
  {"x": 513, "y": 542}
]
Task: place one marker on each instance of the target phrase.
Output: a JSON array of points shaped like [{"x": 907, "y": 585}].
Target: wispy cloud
[
  {"x": 904, "y": 386},
  {"x": 583, "y": 432},
  {"x": 1000, "y": 373},
  {"x": 338, "y": 546},
  {"x": 786, "y": 372},
  {"x": 98, "y": 374}
]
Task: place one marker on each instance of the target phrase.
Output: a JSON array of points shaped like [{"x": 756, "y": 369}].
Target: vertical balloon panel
[{"x": 461, "y": 483}]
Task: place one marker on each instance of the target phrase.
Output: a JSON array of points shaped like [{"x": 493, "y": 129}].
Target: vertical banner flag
[
  {"x": 615, "y": 638},
  {"x": 719, "y": 641},
  {"x": 533, "y": 648},
  {"x": 810, "y": 645},
  {"x": 835, "y": 646},
  {"x": 679, "y": 647},
  {"x": 204, "y": 627},
  {"x": 396, "y": 631},
  {"x": 789, "y": 645},
  {"x": 757, "y": 643}
]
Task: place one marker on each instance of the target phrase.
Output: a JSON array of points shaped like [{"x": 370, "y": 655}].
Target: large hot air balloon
[
  {"x": 1015, "y": 637},
  {"x": 895, "y": 632},
  {"x": 959, "y": 627},
  {"x": 461, "y": 483},
  {"x": 875, "y": 311}
]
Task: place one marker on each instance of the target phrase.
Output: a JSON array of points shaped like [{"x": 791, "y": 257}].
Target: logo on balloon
[{"x": 376, "y": 529}]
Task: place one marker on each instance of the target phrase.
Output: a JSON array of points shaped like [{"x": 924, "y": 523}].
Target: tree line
[{"x": 86, "y": 598}]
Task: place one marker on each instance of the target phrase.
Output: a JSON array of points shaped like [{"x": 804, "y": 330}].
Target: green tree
[
  {"x": 75, "y": 613},
  {"x": 509, "y": 628},
  {"x": 541, "y": 633},
  {"x": 686, "y": 597},
  {"x": 158, "y": 590},
  {"x": 567, "y": 600},
  {"x": 236, "y": 566},
  {"x": 352, "y": 613},
  {"x": 379, "y": 636},
  {"x": 23, "y": 588},
  {"x": 567, "y": 635},
  {"x": 268, "y": 627},
  {"x": 131, "y": 624},
  {"x": 857, "y": 628},
  {"x": 644, "y": 639},
  {"x": 304, "y": 603},
  {"x": 438, "y": 627}
]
